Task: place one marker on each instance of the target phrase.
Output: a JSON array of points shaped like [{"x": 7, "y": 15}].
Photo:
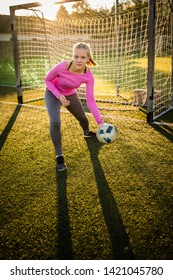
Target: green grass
[{"x": 114, "y": 201}]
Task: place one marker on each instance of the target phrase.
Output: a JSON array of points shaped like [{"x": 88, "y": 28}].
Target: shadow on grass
[
  {"x": 120, "y": 243},
  {"x": 165, "y": 130},
  {"x": 9, "y": 126},
  {"x": 163, "y": 124},
  {"x": 64, "y": 244}
]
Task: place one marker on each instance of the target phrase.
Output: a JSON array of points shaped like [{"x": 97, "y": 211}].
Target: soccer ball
[{"x": 106, "y": 133}]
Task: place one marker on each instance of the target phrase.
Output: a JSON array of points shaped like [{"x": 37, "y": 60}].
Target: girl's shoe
[
  {"x": 60, "y": 165},
  {"x": 89, "y": 134}
]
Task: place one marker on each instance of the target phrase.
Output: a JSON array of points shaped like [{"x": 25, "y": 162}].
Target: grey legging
[{"x": 53, "y": 107}]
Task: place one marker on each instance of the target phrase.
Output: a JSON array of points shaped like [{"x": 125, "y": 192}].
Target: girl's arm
[
  {"x": 51, "y": 75},
  {"x": 91, "y": 103}
]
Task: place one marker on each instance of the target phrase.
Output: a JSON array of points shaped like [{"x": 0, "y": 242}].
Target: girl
[{"x": 61, "y": 84}]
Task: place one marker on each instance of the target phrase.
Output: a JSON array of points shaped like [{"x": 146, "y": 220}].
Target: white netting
[
  {"x": 163, "y": 51},
  {"x": 119, "y": 41},
  {"x": 33, "y": 53}
]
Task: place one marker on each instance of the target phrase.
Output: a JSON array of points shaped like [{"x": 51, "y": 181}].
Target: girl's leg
[
  {"x": 53, "y": 107},
  {"x": 76, "y": 109}
]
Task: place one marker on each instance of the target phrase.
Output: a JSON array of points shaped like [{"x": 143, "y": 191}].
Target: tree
[
  {"x": 81, "y": 6},
  {"x": 81, "y": 10},
  {"x": 62, "y": 12}
]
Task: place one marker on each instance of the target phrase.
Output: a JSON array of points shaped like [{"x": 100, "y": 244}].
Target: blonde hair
[{"x": 86, "y": 47}]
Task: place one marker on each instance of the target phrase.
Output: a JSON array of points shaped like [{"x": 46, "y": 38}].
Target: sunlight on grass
[
  {"x": 162, "y": 64},
  {"x": 102, "y": 85}
]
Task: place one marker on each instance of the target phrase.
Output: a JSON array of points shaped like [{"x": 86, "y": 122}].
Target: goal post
[
  {"x": 151, "y": 59},
  {"x": 160, "y": 89},
  {"x": 15, "y": 45}
]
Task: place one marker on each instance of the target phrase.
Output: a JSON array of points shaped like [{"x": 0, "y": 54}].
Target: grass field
[{"x": 113, "y": 202}]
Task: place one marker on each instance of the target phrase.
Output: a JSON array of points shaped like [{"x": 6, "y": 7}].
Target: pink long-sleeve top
[{"x": 61, "y": 81}]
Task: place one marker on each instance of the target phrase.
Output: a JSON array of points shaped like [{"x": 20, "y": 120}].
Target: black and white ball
[{"x": 106, "y": 133}]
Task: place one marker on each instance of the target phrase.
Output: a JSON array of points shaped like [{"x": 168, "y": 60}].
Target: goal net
[
  {"x": 118, "y": 36},
  {"x": 163, "y": 80}
]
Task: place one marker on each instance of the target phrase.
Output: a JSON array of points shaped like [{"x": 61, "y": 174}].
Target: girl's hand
[
  {"x": 64, "y": 101},
  {"x": 101, "y": 124}
]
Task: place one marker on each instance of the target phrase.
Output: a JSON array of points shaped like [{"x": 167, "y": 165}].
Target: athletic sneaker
[
  {"x": 60, "y": 165},
  {"x": 89, "y": 134}
]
